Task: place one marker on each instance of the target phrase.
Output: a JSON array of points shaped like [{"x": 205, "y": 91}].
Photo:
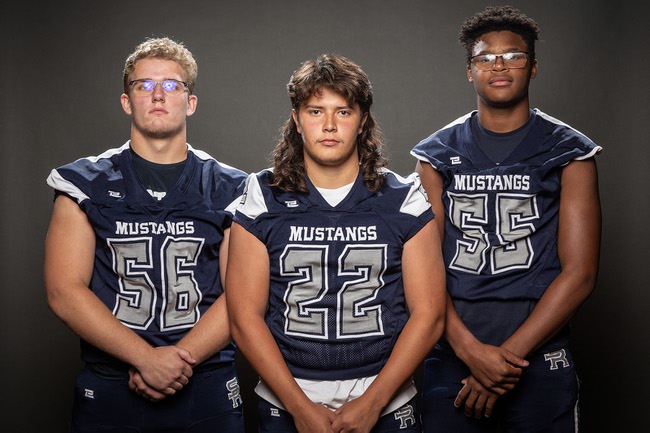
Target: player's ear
[
  {"x": 191, "y": 104},
  {"x": 533, "y": 69},
  {"x": 363, "y": 122},
  {"x": 126, "y": 103},
  {"x": 294, "y": 114}
]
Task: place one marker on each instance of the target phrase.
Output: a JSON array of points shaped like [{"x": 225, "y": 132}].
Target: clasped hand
[
  {"x": 495, "y": 371},
  {"x": 353, "y": 417},
  {"x": 162, "y": 374}
]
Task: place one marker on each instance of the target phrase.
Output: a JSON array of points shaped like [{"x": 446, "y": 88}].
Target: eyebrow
[{"x": 320, "y": 107}]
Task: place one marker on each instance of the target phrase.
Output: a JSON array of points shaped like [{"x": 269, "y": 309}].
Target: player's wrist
[
  {"x": 466, "y": 348},
  {"x": 298, "y": 405},
  {"x": 518, "y": 350},
  {"x": 375, "y": 399},
  {"x": 141, "y": 356}
]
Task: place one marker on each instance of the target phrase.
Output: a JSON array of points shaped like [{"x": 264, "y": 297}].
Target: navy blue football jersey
[
  {"x": 156, "y": 261},
  {"x": 501, "y": 222},
  {"x": 336, "y": 301}
]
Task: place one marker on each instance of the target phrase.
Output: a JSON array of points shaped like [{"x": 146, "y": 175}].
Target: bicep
[
  {"x": 69, "y": 246},
  {"x": 223, "y": 256},
  {"x": 580, "y": 216},
  {"x": 432, "y": 183},
  {"x": 423, "y": 270},
  {"x": 247, "y": 276}
]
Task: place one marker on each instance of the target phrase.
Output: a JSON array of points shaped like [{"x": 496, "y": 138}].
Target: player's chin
[{"x": 163, "y": 134}]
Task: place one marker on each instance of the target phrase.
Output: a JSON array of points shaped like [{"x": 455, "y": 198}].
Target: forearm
[
  {"x": 418, "y": 337},
  {"x": 92, "y": 321},
  {"x": 255, "y": 341},
  {"x": 554, "y": 310},
  {"x": 210, "y": 334},
  {"x": 460, "y": 338}
]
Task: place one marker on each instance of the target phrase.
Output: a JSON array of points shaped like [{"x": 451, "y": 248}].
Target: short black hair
[{"x": 495, "y": 19}]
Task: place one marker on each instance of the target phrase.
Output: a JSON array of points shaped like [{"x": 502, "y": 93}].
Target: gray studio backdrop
[{"x": 61, "y": 81}]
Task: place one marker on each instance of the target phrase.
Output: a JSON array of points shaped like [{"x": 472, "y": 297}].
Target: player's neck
[
  {"x": 504, "y": 119},
  {"x": 160, "y": 151}
]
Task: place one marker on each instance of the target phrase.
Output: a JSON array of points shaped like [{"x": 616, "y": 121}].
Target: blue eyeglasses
[{"x": 145, "y": 86}]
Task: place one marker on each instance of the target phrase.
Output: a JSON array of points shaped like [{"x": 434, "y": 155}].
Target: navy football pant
[
  {"x": 544, "y": 400},
  {"x": 275, "y": 420},
  {"x": 210, "y": 402}
]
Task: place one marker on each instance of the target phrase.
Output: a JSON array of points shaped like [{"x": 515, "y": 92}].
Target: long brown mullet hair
[{"x": 346, "y": 78}]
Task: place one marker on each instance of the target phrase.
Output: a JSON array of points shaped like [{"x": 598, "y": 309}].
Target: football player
[
  {"x": 335, "y": 275},
  {"x": 517, "y": 195},
  {"x": 135, "y": 257}
]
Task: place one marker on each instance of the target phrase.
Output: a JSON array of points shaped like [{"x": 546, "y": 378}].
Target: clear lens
[
  {"x": 146, "y": 87},
  {"x": 510, "y": 60},
  {"x": 171, "y": 86}
]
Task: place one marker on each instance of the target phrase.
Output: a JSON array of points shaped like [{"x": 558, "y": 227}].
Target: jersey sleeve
[
  {"x": 414, "y": 210},
  {"x": 228, "y": 191},
  {"x": 82, "y": 179},
  {"x": 222, "y": 184},
  {"x": 439, "y": 148},
  {"x": 568, "y": 144},
  {"x": 63, "y": 186},
  {"x": 252, "y": 206}
]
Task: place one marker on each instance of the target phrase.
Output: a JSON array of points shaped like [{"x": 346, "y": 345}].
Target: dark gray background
[{"x": 61, "y": 67}]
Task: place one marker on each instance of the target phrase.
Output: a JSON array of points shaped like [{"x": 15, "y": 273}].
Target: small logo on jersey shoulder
[
  {"x": 275, "y": 412},
  {"x": 291, "y": 203},
  {"x": 405, "y": 415},
  {"x": 114, "y": 194},
  {"x": 244, "y": 195},
  {"x": 89, "y": 393},
  {"x": 233, "y": 392},
  {"x": 557, "y": 358},
  {"x": 455, "y": 160},
  {"x": 423, "y": 192}
]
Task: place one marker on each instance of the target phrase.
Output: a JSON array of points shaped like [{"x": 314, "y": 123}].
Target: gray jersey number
[
  {"x": 356, "y": 314},
  {"x": 514, "y": 216},
  {"x": 135, "y": 304}
]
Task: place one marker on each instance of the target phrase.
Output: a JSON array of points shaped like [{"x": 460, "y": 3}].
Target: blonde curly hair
[{"x": 163, "y": 48}]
